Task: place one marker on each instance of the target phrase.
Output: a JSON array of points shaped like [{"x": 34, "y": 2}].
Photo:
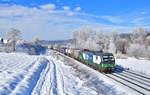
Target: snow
[
  {"x": 139, "y": 65},
  {"x": 5, "y": 41},
  {"x": 52, "y": 74},
  {"x": 30, "y": 82},
  {"x": 13, "y": 68},
  {"x": 88, "y": 81}
]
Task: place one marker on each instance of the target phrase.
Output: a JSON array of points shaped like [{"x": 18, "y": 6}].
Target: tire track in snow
[
  {"x": 16, "y": 80},
  {"x": 38, "y": 90},
  {"x": 60, "y": 80},
  {"x": 26, "y": 86},
  {"x": 61, "y": 77},
  {"x": 53, "y": 80},
  {"x": 57, "y": 79},
  {"x": 44, "y": 78}
]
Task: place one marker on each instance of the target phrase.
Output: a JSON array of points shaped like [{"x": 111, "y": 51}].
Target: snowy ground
[
  {"x": 79, "y": 79},
  {"x": 139, "y": 65},
  {"x": 52, "y": 74},
  {"x": 22, "y": 74}
]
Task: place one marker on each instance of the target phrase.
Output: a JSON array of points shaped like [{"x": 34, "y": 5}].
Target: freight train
[{"x": 104, "y": 62}]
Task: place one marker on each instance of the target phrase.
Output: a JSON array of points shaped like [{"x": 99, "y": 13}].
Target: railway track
[
  {"x": 131, "y": 79},
  {"x": 138, "y": 77},
  {"x": 135, "y": 81},
  {"x": 142, "y": 89}
]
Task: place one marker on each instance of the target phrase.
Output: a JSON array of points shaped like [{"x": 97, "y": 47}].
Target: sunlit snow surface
[
  {"x": 139, "y": 65},
  {"x": 24, "y": 74}
]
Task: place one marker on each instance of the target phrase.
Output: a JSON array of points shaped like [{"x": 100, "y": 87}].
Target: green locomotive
[{"x": 104, "y": 62}]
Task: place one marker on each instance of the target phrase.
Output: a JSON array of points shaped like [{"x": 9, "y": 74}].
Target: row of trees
[
  {"x": 136, "y": 43},
  {"x": 90, "y": 39},
  {"x": 15, "y": 43}
]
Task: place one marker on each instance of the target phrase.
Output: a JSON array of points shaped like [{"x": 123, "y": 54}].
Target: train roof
[
  {"x": 107, "y": 54},
  {"x": 99, "y": 53}
]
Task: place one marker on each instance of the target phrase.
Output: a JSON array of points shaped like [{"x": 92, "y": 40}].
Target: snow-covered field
[
  {"x": 23, "y": 74},
  {"x": 139, "y": 65},
  {"x": 51, "y": 74}
]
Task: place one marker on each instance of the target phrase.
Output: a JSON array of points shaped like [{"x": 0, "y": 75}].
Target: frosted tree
[
  {"x": 81, "y": 36},
  {"x": 13, "y": 36},
  {"x": 91, "y": 44},
  {"x": 140, "y": 43},
  {"x": 137, "y": 50},
  {"x": 114, "y": 36},
  {"x": 100, "y": 40},
  {"x": 122, "y": 45},
  {"x": 138, "y": 35},
  {"x": 147, "y": 42},
  {"x": 148, "y": 52},
  {"x": 113, "y": 39},
  {"x": 88, "y": 38},
  {"x": 112, "y": 47},
  {"x": 35, "y": 39}
]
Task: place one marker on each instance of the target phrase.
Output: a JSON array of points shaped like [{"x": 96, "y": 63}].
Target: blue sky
[
  {"x": 97, "y": 7},
  {"x": 58, "y": 18}
]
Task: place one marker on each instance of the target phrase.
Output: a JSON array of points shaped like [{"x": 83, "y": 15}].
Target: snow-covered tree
[
  {"x": 137, "y": 50},
  {"x": 113, "y": 42},
  {"x": 138, "y": 35},
  {"x": 13, "y": 36},
  {"x": 91, "y": 45},
  {"x": 81, "y": 36},
  {"x": 113, "y": 38},
  {"x": 112, "y": 47},
  {"x": 102, "y": 40},
  {"x": 147, "y": 42},
  {"x": 122, "y": 45},
  {"x": 35, "y": 39},
  {"x": 148, "y": 52},
  {"x": 88, "y": 38},
  {"x": 140, "y": 43},
  {"x": 114, "y": 35}
]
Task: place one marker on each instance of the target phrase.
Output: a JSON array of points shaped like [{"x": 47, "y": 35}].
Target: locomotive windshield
[{"x": 108, "y": 58}]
